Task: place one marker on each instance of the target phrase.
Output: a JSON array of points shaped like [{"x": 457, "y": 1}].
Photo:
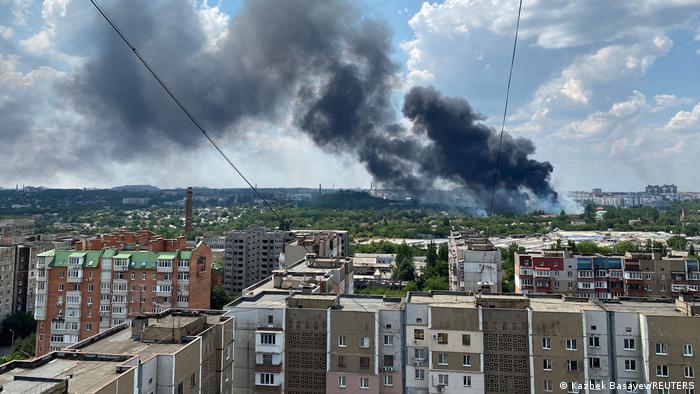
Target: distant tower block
[{"x": 188, "y": 211}]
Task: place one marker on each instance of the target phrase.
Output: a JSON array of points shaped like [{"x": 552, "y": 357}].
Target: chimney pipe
[{"x": 188, "y": 211}]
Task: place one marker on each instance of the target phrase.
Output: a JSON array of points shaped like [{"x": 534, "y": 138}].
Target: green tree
[
  {"x": 432, "y": 257},
  {"x": 626, "y": 246},
  {"x": 443, "y": 252},
  {"x": 220, "y": 297},
  {"x": 677, "y": 242},
  {"x": 436, "y": 283},
  {"x": 404, "y": 270}
]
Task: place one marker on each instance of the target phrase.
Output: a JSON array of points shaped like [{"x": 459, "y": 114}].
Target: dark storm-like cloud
[{"x": 322, "y": 61}]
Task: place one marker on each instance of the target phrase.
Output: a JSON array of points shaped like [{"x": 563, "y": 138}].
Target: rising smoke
[{"x": 323, "y": 62}]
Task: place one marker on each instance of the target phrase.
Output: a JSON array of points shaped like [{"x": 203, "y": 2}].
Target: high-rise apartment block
[
  {"x": 453, "y": 342},
  {"x": 106, "y": 280},
  {"x": 605, "y": 277},
  {"x": 475, "y": 264},
  {"x": 251, "y": 255}
]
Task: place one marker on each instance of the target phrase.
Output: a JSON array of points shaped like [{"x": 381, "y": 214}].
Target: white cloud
[
  {"x": 665, "y": 101},
  {"x": 214, "y": 22},
  {"x": 684, "y": 120},
  {"x": 6, "y": 32},
  {"x": 20, "y": 9}
]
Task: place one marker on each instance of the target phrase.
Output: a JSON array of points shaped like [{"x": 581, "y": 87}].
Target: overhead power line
[
  {"x": 182, "y": 107},
  {"x": 505, "y": 110}
]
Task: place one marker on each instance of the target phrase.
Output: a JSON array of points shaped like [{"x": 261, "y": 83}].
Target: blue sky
[{"x": 608, "y": 92}]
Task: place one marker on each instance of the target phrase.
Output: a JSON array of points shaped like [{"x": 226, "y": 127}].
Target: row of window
[
  {"x": 628, "y": 344},
  {"x": 442, "y": 337}
]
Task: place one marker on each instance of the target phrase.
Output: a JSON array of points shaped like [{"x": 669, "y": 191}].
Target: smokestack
[{"x": 188, "y": 212}]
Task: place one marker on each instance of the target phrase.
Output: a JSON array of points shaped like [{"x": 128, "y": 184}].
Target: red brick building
[{"x": 106, "y": 280}]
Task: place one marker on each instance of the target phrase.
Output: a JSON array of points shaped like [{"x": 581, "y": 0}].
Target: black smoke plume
[{"x": 320, "y": 60}]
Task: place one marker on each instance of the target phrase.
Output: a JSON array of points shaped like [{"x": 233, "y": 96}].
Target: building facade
[
  {"x": 606, "y": 277},
  {"x": 475, "y": 264},
  {"x": 454, "y": 342},
  {"x": 251, "y": 255},
  {"x": 105, "y": 281}
]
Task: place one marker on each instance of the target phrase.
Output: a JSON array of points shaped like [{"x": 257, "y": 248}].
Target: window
[
  {"x": 661, "y": 349},
  {"x": 689, "y": 391},
  {"x": 420, "y": 374},
  {"x": 388, "y": 340},
  {"x": 688, "y": 371},
  {"x": 267, "y": 339},
  {"x": 662, "y": 370},
  {"x": 143, "y": 276},
  {"x": 364, "y": 342},
  {"x": 60, "y": 287},
  {"x": 364, "y": 383},
  {"x": 388, "y": 360},
  {"x": 594, "y": 341},
  {"x": 687, "y": 350},
  {"x": 267, "y": 379},
  {"x": 442, "y": 338},
  {"x": 547, "y": 385},
  {"x": 267, "y": 359},
  {"x": 364, "y": 362},
  {"x": 419, "y": 353},
  {"x": 570, "y": 344},
  {"x": 342, "y": 341},
  {"x": 388, "y": 380},
  {"x": 341, "y": 381},
  {"x": 341, "y": 362},
  {"x": 193, "y": 380},
  {"x": 594, "y": 362},
  {"x": 442, "y": 359},
  {"x": 88, "y": 326},
  {"x": 546, "y": 365},
  {"x": 133, "y": 276},
  {"x": 546, "y": 343},
  {"x": 572, "y": 365},
  {"x": 466, "y": 339},
  {"x": 418, "y": 334},
  {"x": 466, "y": 360},
  {"x": 630, "y": 365},
  {"x": 629, "y": 344},
  {"x": 183, "y": 276},
  {"x": 467, "y": 381},
  {"x": 444, "y": 379}
]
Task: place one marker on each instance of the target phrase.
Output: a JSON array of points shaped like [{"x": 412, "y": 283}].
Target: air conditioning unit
[
  {"x": 418, "y": 362},
  {"x": 440, "y": 388},
  {"x": 388, "y": 369},
  {"x": 416, "y": 341}
]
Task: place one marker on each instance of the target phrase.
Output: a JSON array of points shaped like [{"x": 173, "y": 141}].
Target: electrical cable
[
  {"x": 182, "y": 107},
  {"x": 505, "y": 110}
]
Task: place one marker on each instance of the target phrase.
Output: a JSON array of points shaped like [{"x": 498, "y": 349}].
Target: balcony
[
  {"x": 120, "y": 265},
  {"x": 269, "y": 341},
  {"x": 165, "y": 265},
  {"x": 74, "y": 275}
]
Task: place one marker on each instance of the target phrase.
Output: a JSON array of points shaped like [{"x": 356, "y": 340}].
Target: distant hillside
[
  {"x": 135, "y": 188},
  {"x": 346, "y": 199}
]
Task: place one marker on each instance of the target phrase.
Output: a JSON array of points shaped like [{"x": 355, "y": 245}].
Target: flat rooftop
[
  {"x": 445, "y": 300},
  {"x": 646, "y": 308},
  {"x": 559, "y": 305},
  {"x": 367, "y": 304},
  {"x": 121, "y": 343},
  {"x": 88, "y": 376}
]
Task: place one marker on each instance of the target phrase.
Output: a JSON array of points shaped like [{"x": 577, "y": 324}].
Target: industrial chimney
[{"x": 188, "y": 211}]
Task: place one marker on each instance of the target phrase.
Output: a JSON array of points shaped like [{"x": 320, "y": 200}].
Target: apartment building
[
  {"x": 475, "y": 264},
  {"x": 322, "y": 243},
  {"x": 251, "y": 255},
  {"x": 606, "y": 277},
  {"x": 84, "y": 291},
  {"x": 456, "y": 342},
  {"x": 172, "y": 352}
]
